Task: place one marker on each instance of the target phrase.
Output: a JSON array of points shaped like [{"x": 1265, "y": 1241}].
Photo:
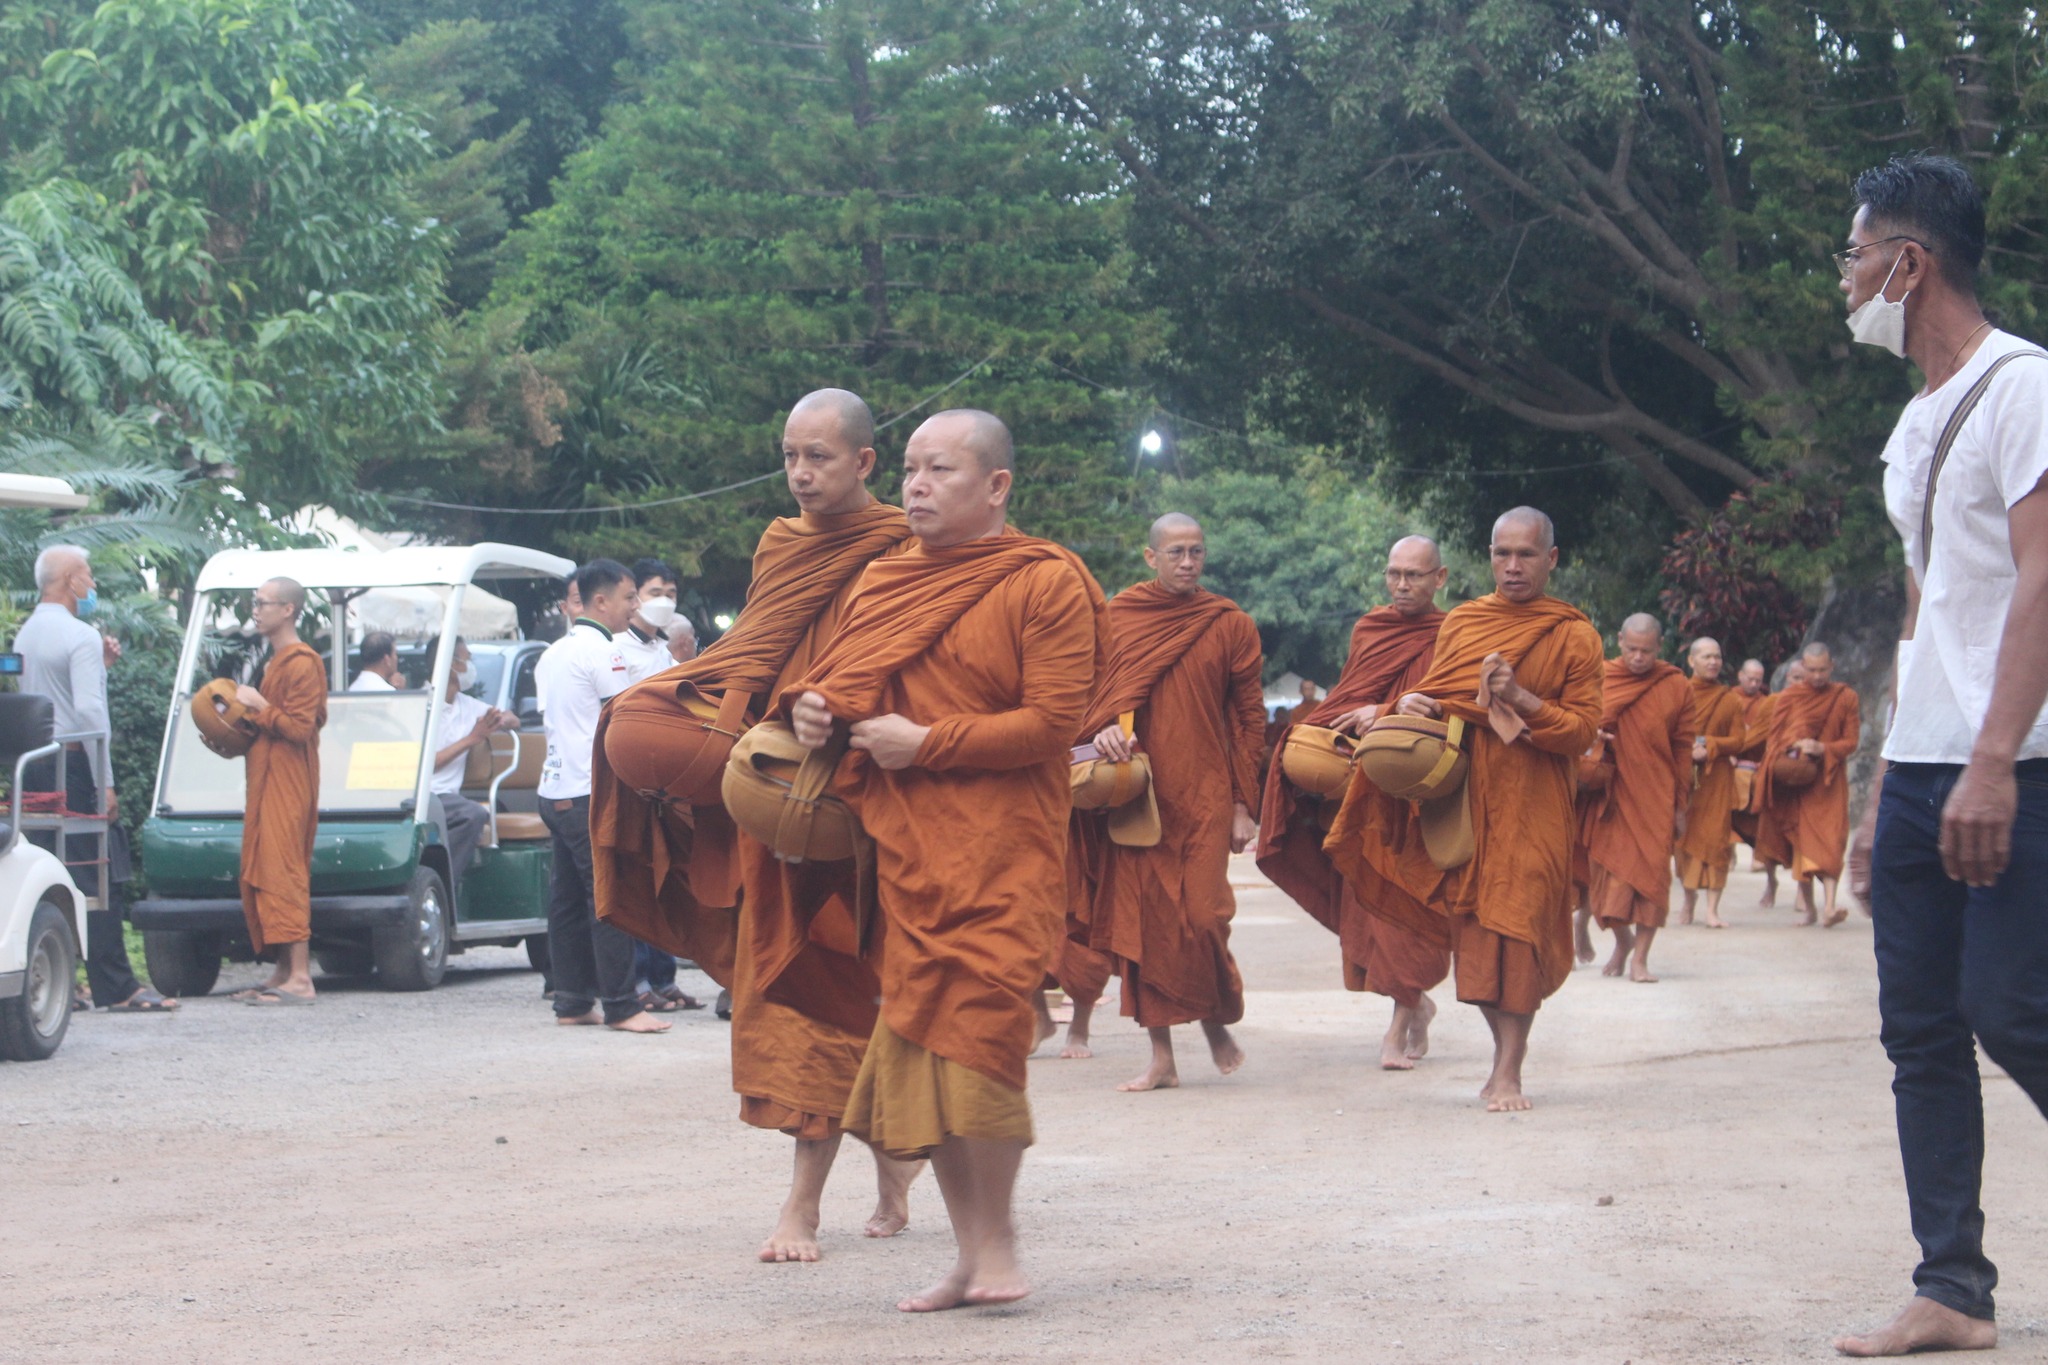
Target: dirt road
[{"x": 449, "y": 1177}]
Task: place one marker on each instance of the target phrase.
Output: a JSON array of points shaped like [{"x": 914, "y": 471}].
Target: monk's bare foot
[
  {"x": 795, "y": 1238},
  {"x": 1582, "y": 937},
  {"x": 997, "y": 1278},
  {"x": 1076, "y": 1049},
  {"x": 1223, "y": 1048},
  {"x": 1714, "y": 921},
  {"x": 1685, "y": 909},
  {"x": 1640, "y": 974},
  {"x": 1508, "y": 1099},
  {"x": 1042, "y": 1017},
  {"x": 1617, "y": 964},
  {"x": 1394, "y": 1047},
  {"x": 1418, "y": 1029},
  {"x": 1769, "y": 899},
  {"x": 642, "y": 1022},
  {"x": 1834, "y": 917},
  {"x": 950, "y": 1292},
  {"x": 892, "y": 1196},
  {"x": 593, "y": 1017},
  {"x": 1807, "y": 916},
  {"x": 1158, "y": 1076},
  {"x": 1923, "y": 1325}
]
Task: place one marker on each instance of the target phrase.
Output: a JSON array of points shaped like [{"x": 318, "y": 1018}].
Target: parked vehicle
[{"x": 380, "y": 856}]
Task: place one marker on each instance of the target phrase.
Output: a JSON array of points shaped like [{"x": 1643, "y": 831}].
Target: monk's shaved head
[
  {"x": 984, "y": 434},
  {"x": 1642, "y": 635},
  {"x": 1546, "y": 530},
  {"x": 1817, "y": 663},
  {"x": 1816, "y": 652},
  {"x": 848, "y": 411},
  {"x": 1701, "y": 645},
  {"x": 1415, "y": 575},
  {"x": 288, "y": 590},
  {"x": 1705, "y": 658},
  {"x": 1172, "y": 521},
  {"x": 1416, "y": 548},
  {"x": 1642, "y": 623}
]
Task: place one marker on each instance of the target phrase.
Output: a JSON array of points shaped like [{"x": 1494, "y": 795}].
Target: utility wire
[{"x": 931, "y": 397}]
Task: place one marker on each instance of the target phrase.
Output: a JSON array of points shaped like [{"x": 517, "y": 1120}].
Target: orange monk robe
[
  {"x": 1628, "y": 847},
  {"x": 1807, "y": 828},
  {"x": 1707, "y": 849},
  {"x": 1510, "y": 906},
  {"x": 1188, "y": 665},
  {"x": 1757, "y": 713},
  {"x": 1389, "y": 655},
  {"x": 995, "y": 645},
  {"x": 284, "y": 799},
  {"x": 792, "y": 928}
]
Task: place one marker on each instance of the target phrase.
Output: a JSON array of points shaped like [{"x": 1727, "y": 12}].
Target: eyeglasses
[
  {"x": 1845, "y": 261},
  {"x": 256, "y": 602}
]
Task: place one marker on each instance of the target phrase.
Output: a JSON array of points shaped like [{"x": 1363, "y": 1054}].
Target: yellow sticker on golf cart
[{"x": 383, "y": 765}]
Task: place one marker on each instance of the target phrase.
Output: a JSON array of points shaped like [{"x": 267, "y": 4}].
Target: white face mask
[
  {"x": 658, "y": 612},
  {"x": 465, "y": 678},
  {"x": 1879, "y": 322}
]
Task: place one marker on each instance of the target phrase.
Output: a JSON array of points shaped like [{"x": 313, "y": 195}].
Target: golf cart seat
[
  {"x": 28, "y": 723},
  {"x": 495, "y": 765}
]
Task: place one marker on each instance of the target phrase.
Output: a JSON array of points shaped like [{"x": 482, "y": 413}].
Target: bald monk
[
  {"x": 1185, "y": 665},
  {"x": 1808, "y": 827},
  {"x": 1708, "y": 846},
  {"x": 1646, "y": 720},
  {"x": 1403, "y": 954},
  {"x": 794, "y": 926},
  {"x": 1524, "y": 671},
  {"x": 1757, "y": 713},
  {"x": 283, "y": 806},
  {"x": 961, "y": 673}
]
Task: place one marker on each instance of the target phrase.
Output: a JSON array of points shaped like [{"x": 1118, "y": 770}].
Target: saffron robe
[
  {"x": 1807, "y": 828},
  {"x": 1757, "y": 712},
  {"x": 1708, "y": 847},
  {"x": 1510, "y": 906},
  {"x": 1188, "y": 665},
  {"x": 283, "y": 805},
  {"x": 1395, "y": 955},
  {"x": 1633, "y": 822},
  {"x": 994, "y": 644}
]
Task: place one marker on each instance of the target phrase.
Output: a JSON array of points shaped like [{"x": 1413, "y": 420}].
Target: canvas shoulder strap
[{"x": 1948, "y": 440}]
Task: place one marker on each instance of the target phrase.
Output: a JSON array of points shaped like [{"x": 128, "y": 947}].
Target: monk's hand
[
  {"x": 251, "y": 698},
  {"x": 1243, "y": 829},
  {"x": 892, "y": 741},
  {"x": 1810, "y": 748},
  {"x": 1415, "y": 704},
  {"x": 811, "y": 720},
  {"x": 1976, "y": 823},
  {"x": 1114, "y": 745},
  {"x": 1356, "y": 722}
]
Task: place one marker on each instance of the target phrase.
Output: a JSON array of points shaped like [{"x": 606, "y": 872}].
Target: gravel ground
[{"x": 1709, "y": 1175}]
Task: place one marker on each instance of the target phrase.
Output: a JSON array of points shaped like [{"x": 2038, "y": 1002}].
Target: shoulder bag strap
[{"x": 1947, "y": 443}]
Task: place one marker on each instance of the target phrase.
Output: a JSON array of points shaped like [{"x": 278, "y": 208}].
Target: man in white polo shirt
[
  {"x": 592, "y": 961},
  {"x": 378, "y": 665},
  {"x": 1959, "y": 872},
  {"x": 465, "y": 723}
]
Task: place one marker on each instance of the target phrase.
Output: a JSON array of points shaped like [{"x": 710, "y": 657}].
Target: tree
[{"x": 797, "y": 195}]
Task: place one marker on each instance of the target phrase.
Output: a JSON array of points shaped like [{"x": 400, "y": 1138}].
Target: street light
[
  {"x": 1151, "y": 443},
  {"x": 723, "y": 620}
]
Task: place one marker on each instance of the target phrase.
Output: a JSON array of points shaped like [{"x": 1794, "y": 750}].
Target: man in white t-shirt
[
  {"x": 592, "y": 960},
  {"x": 378, "y": 665},
  {"x": 647, "y": 641},
  {"x": 465, "y": 723},
  {"x": 1959, "y": 872}
]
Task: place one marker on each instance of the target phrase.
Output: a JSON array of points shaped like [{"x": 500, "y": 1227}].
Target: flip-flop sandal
[
  {"x": 81, "y": 1000},
  {"x": 144, "y": 1001},
  {"x": 655, "y": 1003},
  {"x": 281, "y": 998}
]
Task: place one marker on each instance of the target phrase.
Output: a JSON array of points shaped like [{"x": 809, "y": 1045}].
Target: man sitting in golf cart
[{"x": 465, "y": 723}]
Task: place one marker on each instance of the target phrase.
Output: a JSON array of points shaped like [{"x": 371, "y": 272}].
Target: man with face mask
[
  {"x": 1960, "y": 868},
  {"x": 465, "y": 723},
  {"x": 645, "y": 641}
]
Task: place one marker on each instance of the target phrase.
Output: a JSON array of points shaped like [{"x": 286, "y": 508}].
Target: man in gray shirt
[{"x": 66, "y": 660}]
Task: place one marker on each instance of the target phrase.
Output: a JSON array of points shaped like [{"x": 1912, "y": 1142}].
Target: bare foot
[
  {"x": 1223, "y": 1049},
  {"x": 892, "y": 1196},
  {"x": 1640, "y": 975},
  {"x": 1077, "y": 1049},
  {"x": 1505, "y": 1097},
  {"x": 795, "y": 1238},
  {"x": 1685, "y": 909},
  {"x": 1394, "y": 1047},
  {"x": 1041, "y": 1017},
  {"x": 1769, "y": 899},
  {"x": 1923, "y": 1325},
  {"x": 593, "y": 1017},
  {"x": 1618, "y": 963},
  {"x": 997, "y": 1279},
  {"x": 950, "y": 1292},
  {"x": 1582, "y": 936},
  {"x": 1158, "y": 1076},
  {"x": 1716, "y": 922},
  {"x": 1836, "y": 918},
  {"x": 1806, "y": 916},
  {"x": 642, "y": 1022},
  {"x": 1418, "y": 1029}
]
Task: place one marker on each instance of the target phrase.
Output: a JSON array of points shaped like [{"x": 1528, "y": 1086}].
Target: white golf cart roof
[
  {"x": 406, "y": 566},
  {"x": 37, "y": 490}
]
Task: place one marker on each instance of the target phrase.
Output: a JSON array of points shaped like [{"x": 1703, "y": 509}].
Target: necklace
[{"x": 1966, "y": 341}]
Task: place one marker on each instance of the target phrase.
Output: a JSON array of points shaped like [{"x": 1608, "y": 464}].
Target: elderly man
[
  {"x": 66, "y": 660},
  {"x": 960, "y": 675},
  {"x": 1960, "y": 870},
  {"x": 1707, "y": 848},
  {"x": 378, "y": 669},
  {"x": 282, "y": 809},
  {"x": 1387, "y": 941},
  {"x": 1523, "y": 670}
]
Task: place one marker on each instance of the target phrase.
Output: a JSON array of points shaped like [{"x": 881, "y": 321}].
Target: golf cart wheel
[
  {"x": 346, "y": 959},
  {"x": 413, "y": 955},
  {"x": 181, "y": 962},
  {"x": 33, "y": 1024}
]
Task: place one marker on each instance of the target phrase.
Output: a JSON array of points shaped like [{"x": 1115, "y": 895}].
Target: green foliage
[
  {"x": 796, "y": 196},
  {"x": 137, "y": 695}
]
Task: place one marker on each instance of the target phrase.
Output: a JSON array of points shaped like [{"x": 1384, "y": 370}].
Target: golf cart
[
  {"x": 380, "y": 855},
  {"x": 42, "y": 911}
]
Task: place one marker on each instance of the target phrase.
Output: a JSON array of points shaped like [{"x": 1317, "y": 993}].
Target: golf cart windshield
[{"x": 370, "y": 752}]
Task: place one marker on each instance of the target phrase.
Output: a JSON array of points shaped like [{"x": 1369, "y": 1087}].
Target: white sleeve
[{"x": 2019, "y": 455}]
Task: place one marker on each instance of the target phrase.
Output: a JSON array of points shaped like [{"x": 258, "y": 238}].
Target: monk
[
  {"x": 1185, "y": 668},
  {"x": 791, "y": 926},
  {"x": 283, "y": 807},
  {"x": 1752, "y": 689},
  {"x": 1808, "y": 827},
  {"x": 959, "y": 675},
  {"x": 1646, "y": 721},
  {"x": 1708, "y": 847},
  {"x": 1757, "y": 713},
  {"x": 1523, "y": 670},
  {"x": 1399, "y": 957}
]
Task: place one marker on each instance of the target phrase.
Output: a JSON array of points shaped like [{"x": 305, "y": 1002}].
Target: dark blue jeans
[
  {"x": 1954, "y": 963},
  {"x": 655, "y": 967}
]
